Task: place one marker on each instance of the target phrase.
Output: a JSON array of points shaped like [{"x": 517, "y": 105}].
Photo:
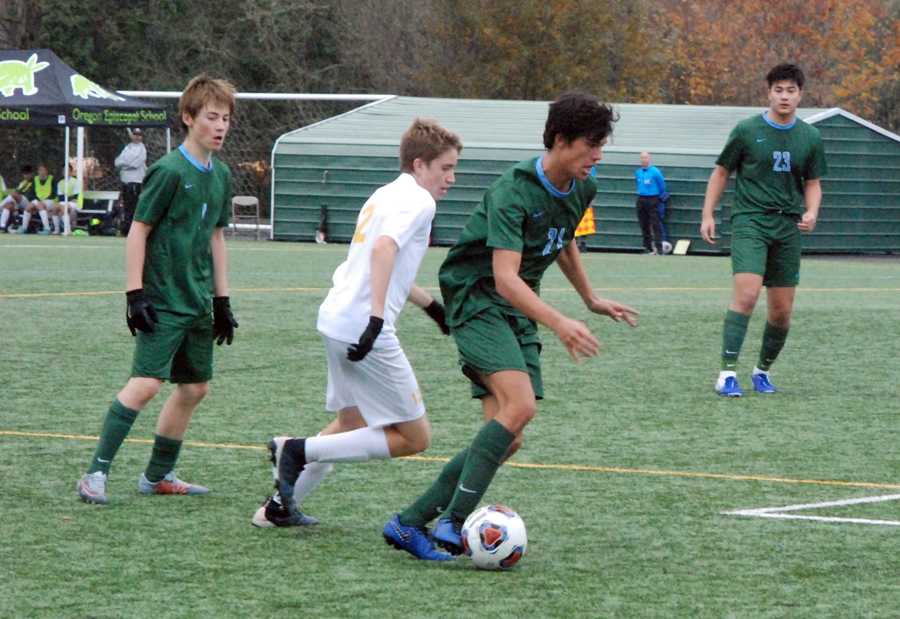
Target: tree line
[{"x": 711, "y": 52}]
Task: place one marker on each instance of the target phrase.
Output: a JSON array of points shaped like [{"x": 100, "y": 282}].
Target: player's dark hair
[
  {"x": 786, "y": 72},
  {"x": 426, "y": 140},
  {"x": 27, "y": 169},
  {"x": 201, "y": 90},
  {"x": 578, "y": 115}
]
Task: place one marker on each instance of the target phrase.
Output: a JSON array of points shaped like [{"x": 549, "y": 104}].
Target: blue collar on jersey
[
  {"x": 203, "y": 168},
  {"x": 776, "y": 125},
  {"x": 556, "y": 193}
]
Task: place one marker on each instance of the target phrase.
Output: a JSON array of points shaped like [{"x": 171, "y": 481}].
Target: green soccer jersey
[
  {"x": 517, "y": 213},
  {"x": 772, "y": 163},
  {"x": 184, "y": 201}
]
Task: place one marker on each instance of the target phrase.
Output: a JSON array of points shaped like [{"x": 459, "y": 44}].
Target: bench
[
  {"x": 99, "y": 202},
  {"x": 96, "y": 204}
]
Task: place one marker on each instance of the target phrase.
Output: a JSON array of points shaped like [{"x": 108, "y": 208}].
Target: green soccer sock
[
  {"x": 116, "y": 426},
  {"x": 427, "y": 507},
  {"x": 733, "y": 338},
  {"x": 772, "y": 343},
  {"x": 163, "y": 457},
  {"x": 485, "y": 456}
]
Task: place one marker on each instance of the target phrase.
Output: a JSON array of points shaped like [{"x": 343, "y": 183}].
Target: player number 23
[
  {"x": 555, "y": 236},
  {"x": 782, "y": 161},
  {"x": 365, "y": 216}
]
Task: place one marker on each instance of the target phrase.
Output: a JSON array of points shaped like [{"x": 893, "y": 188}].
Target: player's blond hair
[
  {"x": 426, "y": 140},
  {"x": 201, "y": 90}
]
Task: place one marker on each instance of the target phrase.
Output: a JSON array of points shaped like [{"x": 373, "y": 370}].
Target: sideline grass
[{"x": 604, "y": 542}]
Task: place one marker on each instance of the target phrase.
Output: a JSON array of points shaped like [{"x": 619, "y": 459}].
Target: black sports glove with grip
[
  {"x": 358, "y": 351},
  {"x": 139, "y": 312},
  {"x": 224, "y": 323},
  {"x": 436, "y": 312}
]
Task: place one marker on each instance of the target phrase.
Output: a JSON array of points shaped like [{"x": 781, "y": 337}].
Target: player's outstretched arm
[
  {"x": 569, "y": 261},
  {"x": 431, "y": 306},
  {"x": 574, "y": 334},
  {"x": 714, "y": 189}
]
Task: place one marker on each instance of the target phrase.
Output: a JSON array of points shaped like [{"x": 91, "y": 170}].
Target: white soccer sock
[
  {"x": 312, "y": 475},
  {"x": 26, "y": 219},
  {"x": 4, "y": 218},
  {"x": 44, "y": 219},
  {"x": 756, "y": 371},
  {"x": 354, "y": 446},
  {"x": 56, "y": 223},
  {"x": 67, "y": 222}
]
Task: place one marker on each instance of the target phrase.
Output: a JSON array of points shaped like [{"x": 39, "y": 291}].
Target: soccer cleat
[
  {"x": 92, "y": 488},
  {"x": 288, "y": 456},
  {"x": 761, "y": 382},
  {"x": 44, "y": 231},
  {"x": 447, "y": 535},
  {"x": 729, "y": 387},
  {"x": 413, "y": 540},
  {"x": 273, "y": 514},
  {"x": 168, "y": 485}
]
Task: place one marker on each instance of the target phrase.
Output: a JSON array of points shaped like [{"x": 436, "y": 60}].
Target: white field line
[{"x": 784, "y": 513}]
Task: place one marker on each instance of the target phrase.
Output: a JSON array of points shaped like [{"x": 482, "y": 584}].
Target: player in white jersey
[{"x": 371, "y": 385}]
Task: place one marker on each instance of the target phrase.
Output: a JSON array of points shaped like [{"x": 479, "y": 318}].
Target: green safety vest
[
  {"x": 43, "y": 190},
  {"x": 71, "y": 190}
]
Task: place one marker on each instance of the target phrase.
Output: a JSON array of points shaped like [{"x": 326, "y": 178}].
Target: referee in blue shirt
[{"x": 650, "y": 186}]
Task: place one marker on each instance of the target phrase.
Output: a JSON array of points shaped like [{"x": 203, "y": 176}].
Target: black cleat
[{"x": 288, "y": 456}]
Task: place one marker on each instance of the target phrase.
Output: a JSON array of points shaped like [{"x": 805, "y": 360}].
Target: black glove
[
  {"x": 358, "y": 351},
  {"x": 436, "y": 311},
  {"x": 140, "y": 313},
  {"x": 224, "y": 323}
]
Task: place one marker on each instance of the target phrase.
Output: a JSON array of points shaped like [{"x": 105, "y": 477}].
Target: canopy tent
[{"x": 38, "y": 89}]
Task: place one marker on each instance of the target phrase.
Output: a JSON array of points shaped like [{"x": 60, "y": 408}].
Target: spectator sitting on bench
[
  {"x": 17, "y": 199},
  {"x": 68, "y": 201},
  {"x": 42, "y": 202}
]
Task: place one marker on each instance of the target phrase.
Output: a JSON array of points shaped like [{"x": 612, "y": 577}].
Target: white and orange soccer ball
[{"x": 494, "y": 537}]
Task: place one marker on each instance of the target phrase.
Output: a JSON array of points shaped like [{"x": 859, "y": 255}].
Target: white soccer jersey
[{"x": 402, "y": 210}]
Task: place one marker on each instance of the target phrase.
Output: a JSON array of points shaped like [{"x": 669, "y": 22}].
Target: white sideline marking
[{"x": 783, "y": 513}]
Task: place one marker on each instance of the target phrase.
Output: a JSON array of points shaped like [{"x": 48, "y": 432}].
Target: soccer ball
[
  {"x": 666, "y": 247},
  {"x": 494, "y": 537}
]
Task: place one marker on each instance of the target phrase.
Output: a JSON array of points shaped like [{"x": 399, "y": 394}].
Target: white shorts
[{"x": 382, "y": 386}]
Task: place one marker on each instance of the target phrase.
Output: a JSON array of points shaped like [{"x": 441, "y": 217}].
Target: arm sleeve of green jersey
[
  {"x": 730, "y": 156},
  {"x": 159, "y": 189},
  {"x": 818, "y": 166},
  {"x": 225, "y": 215},
  {"x": 505, "y": 218}
]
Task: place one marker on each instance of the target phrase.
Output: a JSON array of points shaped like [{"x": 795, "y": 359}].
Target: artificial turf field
[{"x": 623, "y": 480}]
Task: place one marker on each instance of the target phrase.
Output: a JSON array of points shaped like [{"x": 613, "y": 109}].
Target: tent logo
[
  {"x": 17, "y": 74},
  {"x": 85, "y": 88}
]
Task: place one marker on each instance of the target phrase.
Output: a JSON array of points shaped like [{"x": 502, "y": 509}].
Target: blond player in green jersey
[{"x": 177, "y": 282}]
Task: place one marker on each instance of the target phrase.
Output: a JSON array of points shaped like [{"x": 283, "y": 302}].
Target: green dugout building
[{"x": 334, "y": 165}]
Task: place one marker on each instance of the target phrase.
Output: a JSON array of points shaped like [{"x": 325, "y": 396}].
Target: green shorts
[
  {"x": 768, "y": 245},
  {"x": 492, "y": 341},
  {"x": 176, "y": 352}
]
